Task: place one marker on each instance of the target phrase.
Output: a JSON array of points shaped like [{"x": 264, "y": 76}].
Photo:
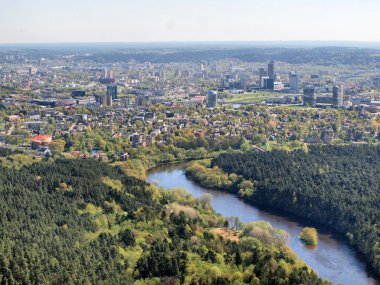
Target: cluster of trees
[
  {"x": 212, "y": 178},
  {"x": 4, "y": 152},
  {"x": 85, "y": 222},
  {"x": 186, "y": 140},
  {"x": 309, "y": 236},
  {"x": 215, "y": 178},
  {"x": 336, "y": 186}
]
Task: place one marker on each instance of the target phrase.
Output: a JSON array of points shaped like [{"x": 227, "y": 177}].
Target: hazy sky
[{"x": 24, "y": 21}]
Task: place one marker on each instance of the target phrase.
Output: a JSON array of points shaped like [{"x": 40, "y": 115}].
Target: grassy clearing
[
  {"x": 251, "y": 97},
  {"x": 18, "y": 160},
  {"x": 227, "y": 233}
]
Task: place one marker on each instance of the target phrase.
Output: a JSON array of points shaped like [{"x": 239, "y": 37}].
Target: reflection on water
[{"x": 333, "y": 259}]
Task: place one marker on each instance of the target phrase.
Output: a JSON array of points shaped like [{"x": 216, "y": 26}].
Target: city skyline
[{"x": 43, "y": 21}]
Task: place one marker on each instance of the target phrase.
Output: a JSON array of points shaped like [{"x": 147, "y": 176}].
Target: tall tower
[
  {"x": 109, "y": 100},
  {"x": 271, "y": 70},
  {"x": 262, "y": 73},
  {"x": 337, "y": 96},
  {"x": 102, "y": 99},
  {"x": 293, "y": 81},
  {"x": 112, "y": 91},
  {"x": 309, "y": 97},
  {"x": 212, "y": 97},
  {"x": 108, "y": 74},
  {"x": 141, "y": 100}
]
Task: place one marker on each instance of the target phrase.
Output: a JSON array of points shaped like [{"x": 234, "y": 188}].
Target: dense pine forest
[
  {"x": 335, "y": 186},
  {"x": 85, "y": 222}
]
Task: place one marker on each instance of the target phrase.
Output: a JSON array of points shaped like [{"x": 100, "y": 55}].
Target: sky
[{"x": 51, "y": 21}]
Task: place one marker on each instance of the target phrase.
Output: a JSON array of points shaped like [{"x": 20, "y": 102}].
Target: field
[{"x": 250, "y": 97}]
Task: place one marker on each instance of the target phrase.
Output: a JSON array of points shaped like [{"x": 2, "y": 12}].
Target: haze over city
[{"x": 39, "y": 21}]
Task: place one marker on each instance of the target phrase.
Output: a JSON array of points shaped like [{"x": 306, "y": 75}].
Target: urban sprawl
[{"x": 75, "y": 106}]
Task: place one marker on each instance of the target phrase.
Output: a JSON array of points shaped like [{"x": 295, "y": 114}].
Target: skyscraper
[
  {"x": 108, "y": 74},
  {"x": 262, "y": 73},
  {"x": 112, "y": 91},
  {"x": 109, "y": 100},
  {"x": 309, "y": 97},
  {"x": 271, "y": 70},
  {"x": 141, "y": 100},
  {"x": 212, "y": 97},
  {"x": 293, "y": 81},
  {"x": 267, "y": 83},
  {"x": 101, "y": 99},
  {"x": 337, "y": 96},
  {"x": 104, "y": 99}
]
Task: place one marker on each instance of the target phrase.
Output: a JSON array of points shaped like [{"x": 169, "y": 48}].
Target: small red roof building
[{"x": 42, "y": 139}]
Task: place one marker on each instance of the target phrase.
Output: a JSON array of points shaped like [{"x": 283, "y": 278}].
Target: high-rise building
[
  {"x": 109, "y": 100},
  {"x": 293, "y": 81},
  {"x": 337, "y": 96},
  {"x": 262, "y": 73},
  {"x": 32, "y": 71},
  {"x": 98, "y": 98},
  {"x": 212, "y": 97},
  {"x": 108, "y": 74},
  {"x": 309, "y": 97},
  {"x": 263, "y": 82},
  {"x": 104, "y": 99},
  {"x": 112, "y": 90},
  {"x": 141, "y": 100},
  {"x": 267, "y": 83},
  {"x": 101, "y": 99},
  {"x": 271, "y": 70}
]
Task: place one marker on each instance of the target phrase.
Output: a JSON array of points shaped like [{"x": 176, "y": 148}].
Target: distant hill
[{"x": 320, "y": 53}]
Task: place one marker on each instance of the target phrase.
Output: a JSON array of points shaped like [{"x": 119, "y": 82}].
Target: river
[{"x": 333, "y": 259}]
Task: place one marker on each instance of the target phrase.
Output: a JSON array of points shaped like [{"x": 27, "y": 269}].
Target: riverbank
[
  {"x": 333, "y": 259},
  {"x": 277, "y": 178},
  {"x": 138, "y": 166}
]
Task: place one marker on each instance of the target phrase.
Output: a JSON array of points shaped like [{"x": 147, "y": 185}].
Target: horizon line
[{"x": 195, "y": 41}]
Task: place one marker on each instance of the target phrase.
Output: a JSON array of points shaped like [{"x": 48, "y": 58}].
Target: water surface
[{"x": 333, "y": 259}]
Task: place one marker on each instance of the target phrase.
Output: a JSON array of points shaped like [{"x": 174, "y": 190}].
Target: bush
[{"x": 309, "y": 236}]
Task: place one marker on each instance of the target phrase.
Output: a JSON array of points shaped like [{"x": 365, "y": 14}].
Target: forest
[
  {"x": 81, "y": 221},
  {"x": 337, "y": 186}
]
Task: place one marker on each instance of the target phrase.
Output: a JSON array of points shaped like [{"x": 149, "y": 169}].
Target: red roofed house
[{"x": 39, "y": 140}]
